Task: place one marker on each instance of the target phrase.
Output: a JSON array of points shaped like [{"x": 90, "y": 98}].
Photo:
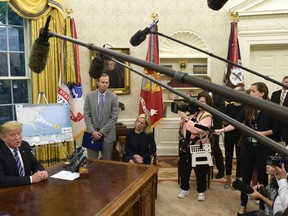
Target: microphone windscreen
[
  {"x": 216, "y": 4},
  {"x": 97, "y": 67},
  {"x": 38, "y": 57},
  {"x": 138, "y": 38}
]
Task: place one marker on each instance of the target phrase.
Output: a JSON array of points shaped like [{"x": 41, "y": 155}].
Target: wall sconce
[{"x": 183, "y": 65}]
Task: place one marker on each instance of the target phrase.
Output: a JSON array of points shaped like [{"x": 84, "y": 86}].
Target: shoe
[
  {"x": 239, "y": 214},
  {"x": 227, "y": 183},
  {"x": 182, "y": 194},
  {"x": 226, "y": 186},
  {"x": 201, "y": 196},
  {"x": 219, "y": 175}
]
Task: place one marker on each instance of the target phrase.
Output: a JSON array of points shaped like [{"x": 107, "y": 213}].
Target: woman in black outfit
[
  {"x": 254, "y": 153},
  {"x": 140, "y": 144},
  {"x": 232, "y": 139}
]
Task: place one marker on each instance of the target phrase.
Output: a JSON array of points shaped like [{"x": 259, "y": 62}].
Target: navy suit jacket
[
  {"x": 8, "y": 168},
  {"x": 283, "y": 126}
]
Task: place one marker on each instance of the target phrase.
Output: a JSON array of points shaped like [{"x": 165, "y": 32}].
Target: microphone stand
[
  {"x": 222, "y": 59},
  {"x": 242, "y": 127},
  {"x": 272, "y": 108}
]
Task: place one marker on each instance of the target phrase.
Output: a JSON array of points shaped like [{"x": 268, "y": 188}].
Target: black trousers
[
  {"x": 253, "y": 155},
  {"x": 185, "y": 169},
  {"x": 218, "y": 156},
  {"x": 230, "y": 141}
]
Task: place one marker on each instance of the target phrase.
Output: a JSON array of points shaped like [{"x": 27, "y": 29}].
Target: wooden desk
[{"x": 112, "y": 188}]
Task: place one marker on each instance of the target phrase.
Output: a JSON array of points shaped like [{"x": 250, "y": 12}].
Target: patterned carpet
[
  {"x": 219, "y": 201},
  {"x": 168, "y": 170}
]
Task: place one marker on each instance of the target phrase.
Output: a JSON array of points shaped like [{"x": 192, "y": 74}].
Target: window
[{"x": 14, "y": 81}]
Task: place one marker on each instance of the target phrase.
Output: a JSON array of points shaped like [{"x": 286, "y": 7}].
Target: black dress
[{"x": 141, "y": 144}]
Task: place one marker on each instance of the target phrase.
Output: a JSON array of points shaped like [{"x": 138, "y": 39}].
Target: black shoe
[{"x": 219, "y": 175}]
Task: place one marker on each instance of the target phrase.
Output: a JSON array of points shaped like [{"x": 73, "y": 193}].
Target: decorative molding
[
  {"x": 255, "y": 9},
  {"x": 171, "y": 49}
]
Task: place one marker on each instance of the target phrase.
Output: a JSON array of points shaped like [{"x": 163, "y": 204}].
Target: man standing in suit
[
  {"x": 280, "y": 97},
  {"x": 18, "y": 166},
  {"x": 101, "y": 114}
]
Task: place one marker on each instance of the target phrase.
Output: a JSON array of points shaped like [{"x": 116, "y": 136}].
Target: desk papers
[{"x": 66, "y": 175}]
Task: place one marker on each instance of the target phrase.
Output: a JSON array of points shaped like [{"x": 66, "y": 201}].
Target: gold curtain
[{"x": 36, "y": 12}]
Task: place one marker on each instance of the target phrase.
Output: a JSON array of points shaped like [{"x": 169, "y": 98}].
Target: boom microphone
[
  {"x": 97, "y": 66},
  {"x": 40, "y": 49},
  {"x": 140, "y": 36},
  {"x": 216, "y": 4}
]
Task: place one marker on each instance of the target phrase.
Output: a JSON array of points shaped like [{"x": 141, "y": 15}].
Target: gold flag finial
[
  {"x": 235, "y": 16},
  {"x": 68, "y": 11},
  {"x": 154, "y": 16}
]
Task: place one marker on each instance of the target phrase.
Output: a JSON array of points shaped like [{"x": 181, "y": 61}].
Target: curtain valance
[{"x": 34, "y": 9}]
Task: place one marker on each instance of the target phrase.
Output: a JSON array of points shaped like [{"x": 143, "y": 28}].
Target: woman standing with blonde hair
[{"x": 140, "y": 144}]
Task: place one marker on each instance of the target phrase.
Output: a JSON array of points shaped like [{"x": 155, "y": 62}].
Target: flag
[
  {"x": 233, "y": 75},
  {"x": 70, "y": 89},
  {"x": 151, "y": 102}
]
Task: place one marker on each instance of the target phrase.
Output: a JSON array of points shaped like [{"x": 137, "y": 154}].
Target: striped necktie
[
  {"x": 18, "y": 162},
  {"x": 100, "y": 108},
  {"x": 282, "y": 97}
]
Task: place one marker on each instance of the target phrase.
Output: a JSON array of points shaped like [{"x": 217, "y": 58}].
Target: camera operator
[
  {"x": 266, "y": 195},
  {"x": 281, "y": 201},
  {"x": 189, "y": 134}
]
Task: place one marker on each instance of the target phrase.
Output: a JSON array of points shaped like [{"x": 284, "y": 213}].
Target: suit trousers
[{"x": 106, "y": 152}]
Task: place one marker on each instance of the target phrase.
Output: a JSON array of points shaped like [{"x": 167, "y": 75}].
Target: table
[{"x": 111, "y": 188}]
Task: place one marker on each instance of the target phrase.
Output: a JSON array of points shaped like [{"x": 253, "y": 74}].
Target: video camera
[
  {"x": 247, "y": 189},
  {"x": 277, "y": 160},
  {"x": 184, "y": 106}
]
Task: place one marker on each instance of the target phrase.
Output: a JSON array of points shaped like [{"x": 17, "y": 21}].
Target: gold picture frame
[{"x": 123, "y": 88}]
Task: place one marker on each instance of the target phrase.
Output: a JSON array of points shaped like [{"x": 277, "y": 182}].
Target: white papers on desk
[{"x": 66, "y": 175}]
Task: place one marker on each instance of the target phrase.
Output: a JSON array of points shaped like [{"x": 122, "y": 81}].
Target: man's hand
[
  {"x": 96, "y": 135},
  {"x": 281, "y": 171},
  {"x": 39, "y": 176}
]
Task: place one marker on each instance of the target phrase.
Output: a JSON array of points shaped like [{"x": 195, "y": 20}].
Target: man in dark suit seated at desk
[{"x": 18, "y": 166}]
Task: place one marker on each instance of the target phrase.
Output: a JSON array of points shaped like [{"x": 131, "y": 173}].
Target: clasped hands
[
  {"x": 39, "y": 176},
  {"x": 96, "y": 135},
  {"x": 137, "y": 158}
]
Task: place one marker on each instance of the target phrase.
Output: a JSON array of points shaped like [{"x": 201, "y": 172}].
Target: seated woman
[{"x": 140, "y": 144}]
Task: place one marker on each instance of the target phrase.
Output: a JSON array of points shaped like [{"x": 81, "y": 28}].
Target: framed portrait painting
[{"x": 119, "y": 75}]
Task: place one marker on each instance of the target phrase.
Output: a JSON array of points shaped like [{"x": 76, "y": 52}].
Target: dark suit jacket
[
  {"x": 282, "y": 126},
  {"x": 8, "y": 168}
]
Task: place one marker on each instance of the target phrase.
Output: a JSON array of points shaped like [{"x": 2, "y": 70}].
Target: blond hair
[
  {"x": 147, "y": 129},
  {"x": 9, "y": 126},
  {"x": 239, "y": 89}
]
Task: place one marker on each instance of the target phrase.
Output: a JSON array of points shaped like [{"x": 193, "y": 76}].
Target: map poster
[{"x": 45, "y": 123}]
